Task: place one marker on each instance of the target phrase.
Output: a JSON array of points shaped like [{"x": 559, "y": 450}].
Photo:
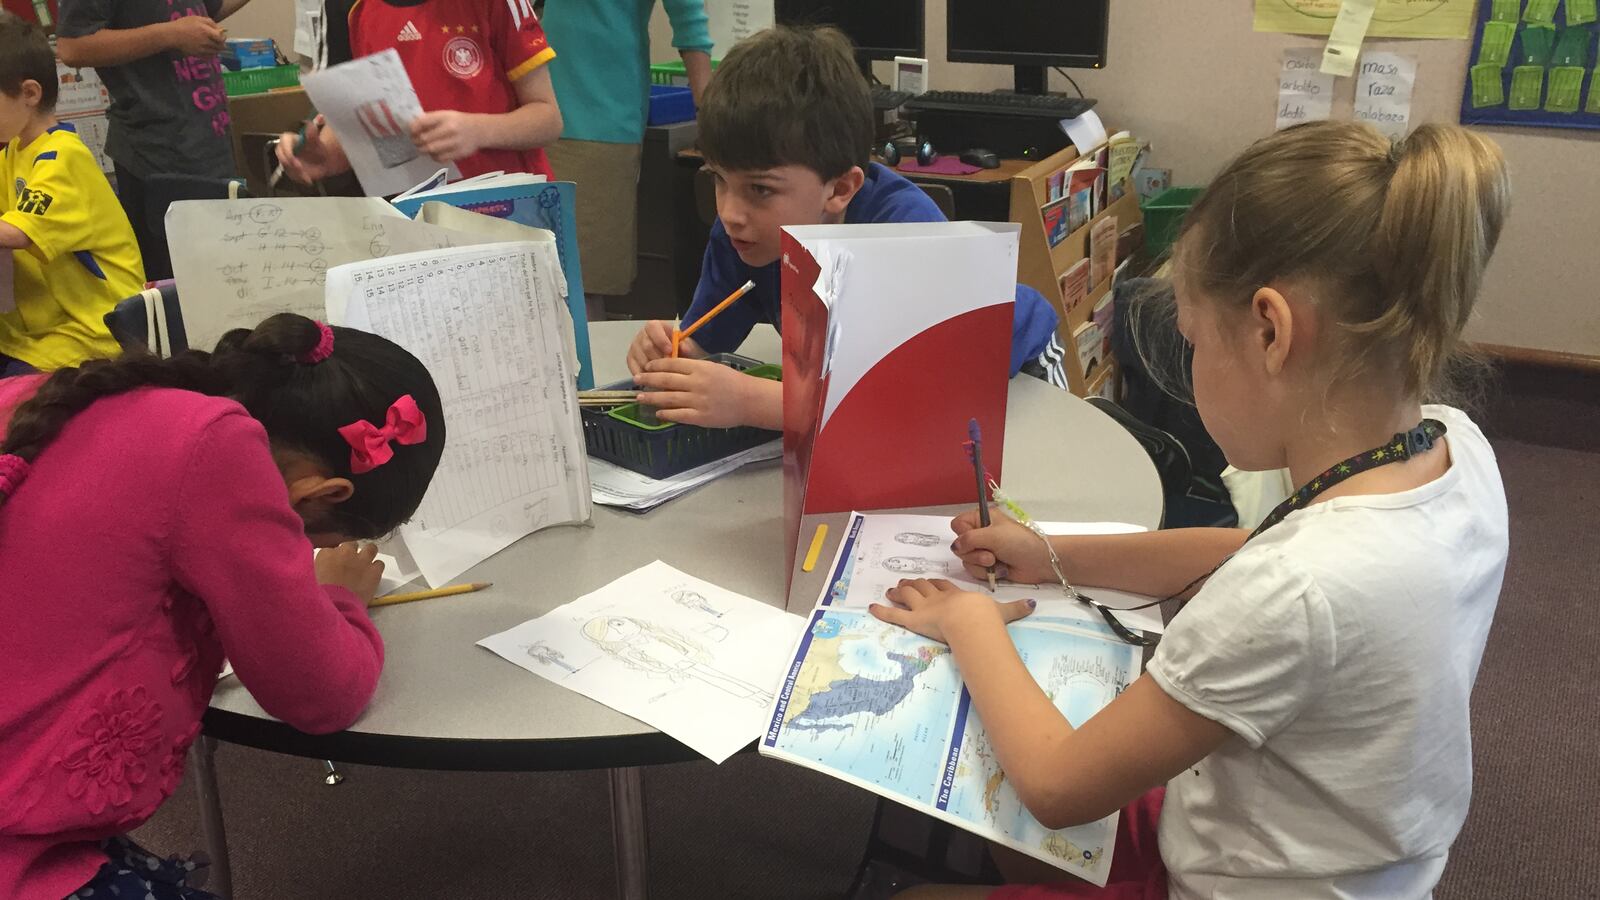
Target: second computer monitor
[
  {"x": 880, "y": 29},
  {"x": 1028, "y": 34}
]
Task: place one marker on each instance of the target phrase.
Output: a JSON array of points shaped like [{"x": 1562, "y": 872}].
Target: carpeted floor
[{"x": 758, "y": 829}]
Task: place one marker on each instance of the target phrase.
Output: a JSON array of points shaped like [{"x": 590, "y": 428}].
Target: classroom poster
[
  {"x": 1390, "y": 18},
  {"x": 1535, "y": 64}
]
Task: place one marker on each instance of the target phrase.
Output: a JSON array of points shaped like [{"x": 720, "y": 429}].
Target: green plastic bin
[
  {"x": 673, "y": 74},
  {"x": 258, "y": 81},
  {"x": 1163, "y": 216}
]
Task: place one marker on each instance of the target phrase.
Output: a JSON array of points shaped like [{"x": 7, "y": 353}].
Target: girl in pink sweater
[{"x": 156, "y": 516}]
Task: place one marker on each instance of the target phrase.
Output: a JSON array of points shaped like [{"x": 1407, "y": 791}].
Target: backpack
[{"x": 1188, "y": 462}]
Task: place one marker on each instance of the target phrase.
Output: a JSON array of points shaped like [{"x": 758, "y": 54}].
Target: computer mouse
[{"x": 983, "y": 159}]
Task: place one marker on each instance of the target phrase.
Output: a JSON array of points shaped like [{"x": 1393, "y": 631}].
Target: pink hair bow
[{"x": 370, "y": 445}]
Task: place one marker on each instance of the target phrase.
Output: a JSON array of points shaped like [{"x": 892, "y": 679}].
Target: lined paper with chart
[
  {"x": 490, "y": 324},
  {"x": 239, "y": 261}
]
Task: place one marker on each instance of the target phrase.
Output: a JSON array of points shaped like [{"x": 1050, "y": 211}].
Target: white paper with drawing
[
  {"x": 370, "y": 104},
  {"x": 675, "y": 652},
  {"x": 237, "y": 262},
  {"x": 878, "y": 550},
  {"x": 486, "y": 321}
]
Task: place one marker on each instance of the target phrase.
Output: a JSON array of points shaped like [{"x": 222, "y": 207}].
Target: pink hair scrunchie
[
  {"x": 13, "y": 469},
  {"x": 322, "y": 350}
]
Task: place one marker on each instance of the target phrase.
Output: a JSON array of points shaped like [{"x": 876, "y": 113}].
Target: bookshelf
[{"x": 1040, "y": 266}]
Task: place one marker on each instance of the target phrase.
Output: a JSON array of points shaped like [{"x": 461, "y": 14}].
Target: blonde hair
[{"x": 1391, "y": 238}]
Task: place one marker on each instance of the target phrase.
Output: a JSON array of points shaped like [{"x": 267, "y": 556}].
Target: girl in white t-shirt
[{"x": 1306, "y": 710}]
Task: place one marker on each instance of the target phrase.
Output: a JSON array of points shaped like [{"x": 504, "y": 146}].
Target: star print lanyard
[{"x": 1399, "y": 448}]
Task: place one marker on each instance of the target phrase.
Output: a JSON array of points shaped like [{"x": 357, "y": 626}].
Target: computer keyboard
[
  {"x": 1052, "y": 106},
  {"x": 888, "y": 98}
]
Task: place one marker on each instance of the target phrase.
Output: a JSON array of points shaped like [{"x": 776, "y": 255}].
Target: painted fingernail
[{"x": 1032, "y": 604}]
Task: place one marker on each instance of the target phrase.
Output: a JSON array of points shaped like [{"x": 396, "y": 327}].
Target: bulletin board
[{"x": 1534, "y": 62}]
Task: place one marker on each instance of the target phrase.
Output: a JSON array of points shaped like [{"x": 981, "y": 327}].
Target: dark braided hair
[{"x": 301, "y": 406}]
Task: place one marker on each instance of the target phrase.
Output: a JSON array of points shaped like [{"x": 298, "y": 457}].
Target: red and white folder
[{"x": 894, "y": 336}]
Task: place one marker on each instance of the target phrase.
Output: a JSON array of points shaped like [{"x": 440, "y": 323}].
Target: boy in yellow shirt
[{"x": 73, "y": 254}]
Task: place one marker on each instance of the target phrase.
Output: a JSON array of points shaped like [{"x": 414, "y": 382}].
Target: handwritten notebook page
[
  {"x": 237, "y": 262},
  {"x": 486, "y": 321}
]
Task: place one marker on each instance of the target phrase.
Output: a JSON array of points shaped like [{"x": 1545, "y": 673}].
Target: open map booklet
[{"x": 884, "y": 709}]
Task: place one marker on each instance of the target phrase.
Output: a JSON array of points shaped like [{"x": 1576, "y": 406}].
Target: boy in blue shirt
[{"x": 786, "y": 127}]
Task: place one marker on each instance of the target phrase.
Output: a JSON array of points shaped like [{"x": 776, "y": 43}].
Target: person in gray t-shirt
[{"x": 169, "y": 110}]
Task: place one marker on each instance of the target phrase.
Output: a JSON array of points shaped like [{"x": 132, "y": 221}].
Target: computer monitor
[
  {"x": 880, "y": 29},
  {"x": 1028, "y": 34}
]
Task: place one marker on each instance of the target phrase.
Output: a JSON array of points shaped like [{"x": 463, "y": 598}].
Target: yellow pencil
[
  {"x": 450, "y": 591},
  {"x": 678, "y": 336}
]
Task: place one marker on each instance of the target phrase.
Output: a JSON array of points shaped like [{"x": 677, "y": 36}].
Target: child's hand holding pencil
[
  {"x": 654, "y": 341},
  {"x": 1013, "y": 550}
]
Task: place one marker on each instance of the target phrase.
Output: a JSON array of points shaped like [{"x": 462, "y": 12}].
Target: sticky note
[
  {"x": 1540, "y": 12},
  {"x": 1344, "y": 40},
  {"x": 1488, "y": 87},
  {"x": 1496, "y": 46}
]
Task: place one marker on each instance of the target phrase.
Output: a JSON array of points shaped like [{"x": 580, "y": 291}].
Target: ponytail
[
  {"x": 1391, "y": 237},
  {"x": 284, "y": 375},
  {"x": 1440, "y": 221}
]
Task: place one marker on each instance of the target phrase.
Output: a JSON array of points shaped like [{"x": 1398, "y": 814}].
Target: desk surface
[{"x": 444, "y": 703}]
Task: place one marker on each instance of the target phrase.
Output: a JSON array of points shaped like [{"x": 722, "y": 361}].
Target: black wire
[{"x": 1069, "y": 78}]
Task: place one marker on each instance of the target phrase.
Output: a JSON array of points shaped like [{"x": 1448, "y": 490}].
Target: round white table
[{"x": 444, "y": 703}]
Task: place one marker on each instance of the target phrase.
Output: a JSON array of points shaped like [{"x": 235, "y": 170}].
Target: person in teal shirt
[{"x": 602, "y": 80}]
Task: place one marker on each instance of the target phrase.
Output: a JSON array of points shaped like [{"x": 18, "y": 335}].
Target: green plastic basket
[
  {"x": 259, "y": 81},
  {"x": 673, "y": 74},
  {"x": 662, "y": 449},
  {"x": 1163, "y": 216}
]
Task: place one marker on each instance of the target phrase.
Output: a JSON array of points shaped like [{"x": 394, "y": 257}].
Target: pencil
[
  {"x": 299, "y": 144},
  {"x": 678, "y": 336},
  {"x": 450, "y": 591},
  {"x": 607, "y": 398},
  {"x": 977, "y": 470}
]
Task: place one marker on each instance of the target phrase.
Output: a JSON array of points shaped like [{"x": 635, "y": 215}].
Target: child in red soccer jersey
[{"x": 479, "y": 70}]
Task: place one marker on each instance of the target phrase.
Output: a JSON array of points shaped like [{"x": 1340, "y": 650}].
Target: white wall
[
  {"x": 1196, "y": 81},
  {"x": 264, "y": 19}
]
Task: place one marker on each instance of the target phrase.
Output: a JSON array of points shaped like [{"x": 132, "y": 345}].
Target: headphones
[{"x": 900, "y": 148}]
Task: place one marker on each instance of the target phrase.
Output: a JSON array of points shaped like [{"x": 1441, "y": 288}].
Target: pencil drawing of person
[
  {"x": 696, "y": 601},
  {"x": 654, "y": 650},
  {"x": 917, "y": 538},
  {"x": 548, "y": 655},
  {"x": 915, "y": 565}
]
